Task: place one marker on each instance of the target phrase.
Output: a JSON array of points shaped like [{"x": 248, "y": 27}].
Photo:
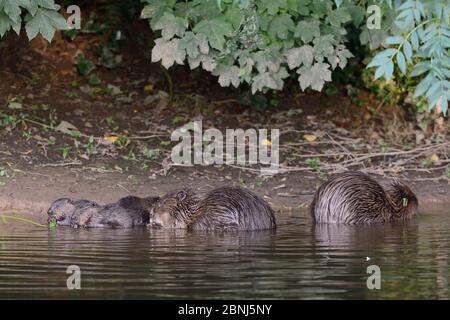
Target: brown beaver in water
[
  {"x": 126, "y": 213},
  {"x": 356, "y": 198},
  {"x": 222, "y": 209}
]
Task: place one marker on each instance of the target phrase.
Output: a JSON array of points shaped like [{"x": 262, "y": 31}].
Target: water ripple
[{"x": 297, "y": 261}]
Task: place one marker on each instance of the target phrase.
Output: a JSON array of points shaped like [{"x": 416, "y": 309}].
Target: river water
[{"x": 297, "y": 261}]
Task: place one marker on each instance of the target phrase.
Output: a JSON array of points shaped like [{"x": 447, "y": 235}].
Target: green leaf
[
  {"x": 48, "y": 4},
  {"x": 323, "y": 46},
  {"x": 423, "y": 85},
  {"x": 385, "y": 53},
  {"x": 194, "y": 44},
  {"x": 273, "y": 6},
  {"x": 12, "y": 9},
  {"x": 155, "y": 9},
  {"x": 52, "y": 223},
  {"x": 269, "y": 80},
  {"x": 379, "y": 72},
  {"x": 215, "y": 31},
  {"x": 407, "y": 50},
  {"x": 280, "y": 26},
  {"x": 5, "y": 23},
  {"x": 339, "y": 57},
  {"x": 433, "y": 93},
  {"x": 206, "y": 61},
  {"x": 307, "y": 30},
  {"x": 171, "y": 26},
  {"x": 233, "y": 16},
  {"x": 420, "y": 68},
  {"x": 338, "y": 3},
  {"x": 389, "y": 70},
  {"x": 298, "y": 56},
  {"x": 268, "y": 60},
  {"x": 315, "y": 76},
  {"x": 168, "y": 52},
  {"x": 83, "y": 65},
  {"x": 415, "y": 40},
  {"x": 321, "y": 8},
  {"x": 32, "y": 6},
  {"x": 393, "y": 40},
  {"x": 401, "y": 62},
  {"x": 107, "y": 58},
  {"x": 228, "y": 75},
  {"x": 357, "y": 13},
  {"x": 45, "y": 22},
  {"x": 338, "y": 17},
  {"x": 94, "y": 80}
]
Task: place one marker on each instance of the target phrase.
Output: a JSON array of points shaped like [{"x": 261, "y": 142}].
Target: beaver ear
[{"x": 181, "y": 195}]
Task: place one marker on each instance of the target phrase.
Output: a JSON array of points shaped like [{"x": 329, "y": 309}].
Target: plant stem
[
  {"x": 5, "y": 216},
  {"x": 169, "y": 81},
  {"x": 409, "y": 35}
]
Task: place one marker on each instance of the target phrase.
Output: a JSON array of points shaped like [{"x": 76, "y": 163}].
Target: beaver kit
[
  {"x": 222, "y": 209},
  {"x": 126, "y": 213},
  {"x": 356, "y": 198}
]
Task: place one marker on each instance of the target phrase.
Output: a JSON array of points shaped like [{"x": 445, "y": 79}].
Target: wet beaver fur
[
  {"x": 356, "y": 198},
  {"x": 222, "y": 209},
  {"x": 126, "y": 213}
]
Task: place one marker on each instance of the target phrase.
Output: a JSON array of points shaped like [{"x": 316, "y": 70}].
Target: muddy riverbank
[{"x": 30, "y": 193}]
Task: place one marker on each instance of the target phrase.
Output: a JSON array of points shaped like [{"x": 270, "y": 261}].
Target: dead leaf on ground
[
  {"x": 66, "y": 127},
  {"x": 15, "y": 105},
  {"x": 435, "y": 158},
  {"x": 310, "y": 137}
]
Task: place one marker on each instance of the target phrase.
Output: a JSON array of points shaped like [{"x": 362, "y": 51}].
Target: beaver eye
[{"x": 181, "y": 195}]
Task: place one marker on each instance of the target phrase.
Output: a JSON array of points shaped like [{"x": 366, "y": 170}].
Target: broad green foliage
[
  {"x": 40, "y": 16},
  {"x": 256, "y": 42},
  {"x": 263, "y": 42}
]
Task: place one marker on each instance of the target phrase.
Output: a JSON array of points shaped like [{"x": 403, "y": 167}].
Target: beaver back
[
  {"x": 232, "y": 208},
  {"x": 351, "y": 198}
]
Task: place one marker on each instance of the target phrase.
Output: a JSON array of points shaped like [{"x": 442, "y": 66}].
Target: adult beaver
[
  {"x": 126, "y": 213},
  {"x": 222, "y": 209},
  {"x": 356, "y": 198}
]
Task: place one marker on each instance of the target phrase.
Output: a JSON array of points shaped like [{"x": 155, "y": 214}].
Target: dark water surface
[{"x": 298, "y": 260}]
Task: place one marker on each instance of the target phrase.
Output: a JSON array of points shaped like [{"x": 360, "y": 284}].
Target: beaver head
[
  {"x": 174, "y": 210},
  {"x": 61, "y": 210},
  {"x": 403, "y": 200}
]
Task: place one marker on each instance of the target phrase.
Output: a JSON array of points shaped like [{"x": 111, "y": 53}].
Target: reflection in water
[{"x": 297, "y": 260}]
